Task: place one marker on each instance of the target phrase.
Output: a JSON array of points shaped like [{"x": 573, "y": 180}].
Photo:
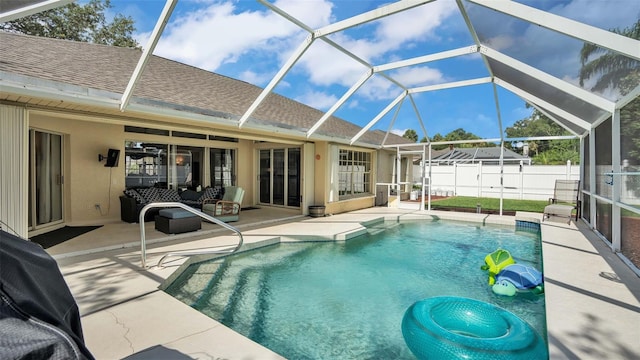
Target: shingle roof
[
  {"x": 164, "y": 81},
  {"x": 486, "y": 153}
]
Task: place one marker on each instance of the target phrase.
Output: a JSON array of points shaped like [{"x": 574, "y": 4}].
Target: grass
[{"x": 491, "y": 204}]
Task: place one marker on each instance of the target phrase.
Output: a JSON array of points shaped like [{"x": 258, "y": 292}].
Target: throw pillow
[
  {"x": 132, "y": 193},
  {"x": 168, "y": 195},
  {"x": 150, "y": 194},
  {"x": 190, "y": 195},
  {"x": 210, "y": 193}
]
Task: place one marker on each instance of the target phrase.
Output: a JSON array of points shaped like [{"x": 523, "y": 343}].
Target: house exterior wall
[
  {"x": 324, "y": 189},
  {"x": 322, "y": 174},
  {"x": 88, "y": 182},
  {"x": 338, "y": 207}
]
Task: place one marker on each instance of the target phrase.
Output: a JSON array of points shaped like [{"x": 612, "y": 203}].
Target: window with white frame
[
  {"x": 354, "y": 173},
  {"x": 223, "y": 167}
]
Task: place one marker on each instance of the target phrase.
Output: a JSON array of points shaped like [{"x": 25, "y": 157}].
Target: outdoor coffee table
[{"x": 176, "y": 221}]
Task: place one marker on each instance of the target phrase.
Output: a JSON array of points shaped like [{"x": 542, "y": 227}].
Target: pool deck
[{"x": 592, "y": 297}]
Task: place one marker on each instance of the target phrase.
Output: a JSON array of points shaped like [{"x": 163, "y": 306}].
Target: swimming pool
[{"x": 346, "y": 300}]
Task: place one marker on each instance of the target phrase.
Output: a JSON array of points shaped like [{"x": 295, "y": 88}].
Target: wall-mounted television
[{"x": 112, "y": 158}]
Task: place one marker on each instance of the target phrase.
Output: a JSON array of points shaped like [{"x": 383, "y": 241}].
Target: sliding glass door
[
  {"x": 279, "y": 175},
  {"x": 45, "y": 179}
]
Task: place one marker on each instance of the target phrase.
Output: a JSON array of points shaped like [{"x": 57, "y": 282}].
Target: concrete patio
[{"x": 592, "y": 297}]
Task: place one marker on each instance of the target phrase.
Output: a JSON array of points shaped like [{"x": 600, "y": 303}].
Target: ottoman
[{"x": 176, "y": 221}]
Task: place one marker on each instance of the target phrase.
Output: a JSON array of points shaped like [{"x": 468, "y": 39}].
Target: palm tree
[
  {"x": 613, "y": 68},
  {"x": 623, "y": 73}
]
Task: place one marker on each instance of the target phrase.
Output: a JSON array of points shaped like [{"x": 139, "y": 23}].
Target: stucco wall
[
  {"x": 321, "y": 173},
  {"x": 350, "y": 205},
  {"x": 88, "y": 182}
]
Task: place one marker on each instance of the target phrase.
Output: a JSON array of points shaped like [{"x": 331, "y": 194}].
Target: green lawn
[{"x": 491, "y": 204}]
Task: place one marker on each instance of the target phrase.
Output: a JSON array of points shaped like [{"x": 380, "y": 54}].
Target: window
[
  {"x": 157, "y": 165},
  {"x": 145, "y": 164},
  {"x": 354, "y": 173},
  {"x": 223, "y": 168}
]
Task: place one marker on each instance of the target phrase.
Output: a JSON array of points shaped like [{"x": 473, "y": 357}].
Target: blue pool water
[{"x": 319, "y": 300}]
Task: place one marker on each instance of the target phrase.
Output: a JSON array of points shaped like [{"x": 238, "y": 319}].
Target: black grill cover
[{"x": 39, "y": 318}]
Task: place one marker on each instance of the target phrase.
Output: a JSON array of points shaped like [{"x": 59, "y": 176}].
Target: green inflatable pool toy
[
  {"x": 495, "y": 262},
  {"x": 505, "y": 288}
]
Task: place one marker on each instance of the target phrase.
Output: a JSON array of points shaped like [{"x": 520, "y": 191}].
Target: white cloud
[
  {"x": 313, "y": 13},
  {"x": 379, "y": 88},
  {"x": 318, "y": 100},
  {"x": 501, "y": 42},
  {"x": 326, "y": 66},
  {"x": 255, "y": 78},
  {"x": 415, "y": 23},
  {"x": 398, "y": 132},
  {"x": 418, "y": 75},
  {"x": 218, "y": 33}
]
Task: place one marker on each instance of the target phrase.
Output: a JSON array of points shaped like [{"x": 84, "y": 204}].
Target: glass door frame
[
  {"x": 34, "y": 202},
  {"x": 269, "y": 175}
]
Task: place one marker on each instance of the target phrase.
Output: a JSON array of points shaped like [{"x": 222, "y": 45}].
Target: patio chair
[
  {"x": 228, "y": 208},
  {"x": 565, "y": 199}
]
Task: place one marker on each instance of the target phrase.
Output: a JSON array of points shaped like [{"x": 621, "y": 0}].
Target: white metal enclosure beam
[
  {"x": 393, "y": 121},
  {"x": 497, "y": 102},
  {"x": 603, "y": 38},
  {"x": 398, "y": 64},
  {"x": 450, "y": 85},
  {"x": 628, "y": 98},
  {"x": 378, "y": 117},
  {"x": 388, "y": 10},
  {"x": 29, "y": 9},
  {"x": 550, "y": 80},
  {"x": 534, "y": 99},
  {"x": 339, "y": 103},
  {"x": 415, "y": 108},
  {"x": 426, "y": 58},
  {"x": 151, "y": 45},
  {"x": 277, "y": 78},
  {"x": 550, "y": 116},
  {"x": 375, "y": 14}
]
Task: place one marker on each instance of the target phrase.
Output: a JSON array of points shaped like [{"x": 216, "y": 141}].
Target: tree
[
  {"x": 621, "y": 72},
  {"x": 75, "y": 22},
  {"x": 411, "y": 135},
  {"x": 624, "y": 73},
  {"x": 613, "y": 68},
  {"x": 544, "y": 152},
  {"x": 455, "y": 135}
]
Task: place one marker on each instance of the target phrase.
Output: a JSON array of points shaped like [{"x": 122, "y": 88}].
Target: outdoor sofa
[{"x": 134, "y": 199}]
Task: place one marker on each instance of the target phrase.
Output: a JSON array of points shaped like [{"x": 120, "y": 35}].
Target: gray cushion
[{"x": 175, "y": 213}]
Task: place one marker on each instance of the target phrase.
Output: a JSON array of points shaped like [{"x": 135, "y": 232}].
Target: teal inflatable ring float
[{"x": 460, "y": 328}]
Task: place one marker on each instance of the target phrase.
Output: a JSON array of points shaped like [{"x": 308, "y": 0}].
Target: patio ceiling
[{"x": 508, "y": 65}]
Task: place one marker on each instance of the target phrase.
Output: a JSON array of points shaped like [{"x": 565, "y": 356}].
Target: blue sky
[{"x": 245, "y": 40}]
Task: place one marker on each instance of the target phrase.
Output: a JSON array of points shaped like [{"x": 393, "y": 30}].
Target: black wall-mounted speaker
[{"x": 112, "y": 158}]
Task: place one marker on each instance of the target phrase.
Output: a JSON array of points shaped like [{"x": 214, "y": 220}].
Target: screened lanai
[{"x": 374, "y": 65}]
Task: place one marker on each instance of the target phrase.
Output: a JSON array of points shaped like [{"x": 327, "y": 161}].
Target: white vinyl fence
[{"x": 525, "y": 182}]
